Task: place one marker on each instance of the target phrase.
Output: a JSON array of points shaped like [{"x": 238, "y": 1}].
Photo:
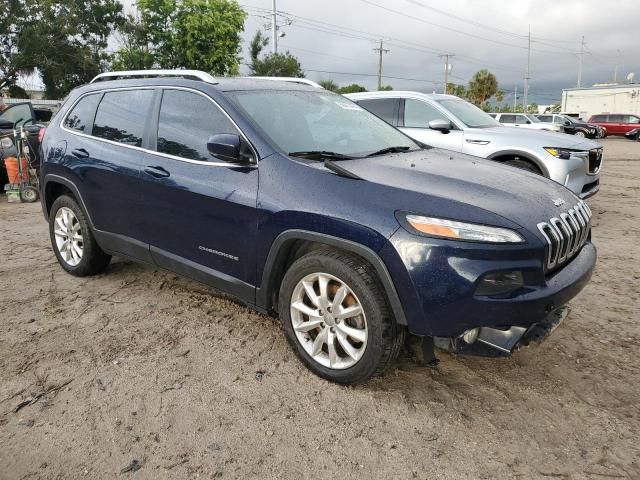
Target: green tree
[
  {"x": 482, "y": 86},
  {"x": 385, "y": 88},
  {"x": 16, "y": 91},
  {"x": 457, "y": 90},
  {"x": 65, "y": 40},
  {"x": 11, "y": 15},
  {"x": 195, "y": 34},
  {"x": 329, "y": 85},
  {"x": 353, "y": 88},
  {"x": 273, "y": 64}
]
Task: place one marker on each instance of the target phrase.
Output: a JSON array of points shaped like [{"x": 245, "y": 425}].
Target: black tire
[
  {"x": 523, "y": 165},
  {"x": 93, "y": 260},
  {"x": 29, "y": 194},
  {"x": 385, "y": 336},
  {"x": 580, "y": 134}
]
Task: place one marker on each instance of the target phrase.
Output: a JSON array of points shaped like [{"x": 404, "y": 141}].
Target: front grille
[
  {"x": 566, "y": 234},
  {"x": 595, "y": 159}
]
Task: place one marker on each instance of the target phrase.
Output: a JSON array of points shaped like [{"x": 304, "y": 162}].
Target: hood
[
  {"x": 539, "y": 138},
  {"x": 465, "y": 188}
]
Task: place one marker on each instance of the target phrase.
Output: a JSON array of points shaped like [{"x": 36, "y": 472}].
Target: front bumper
[{"x": 440, "y": 279}]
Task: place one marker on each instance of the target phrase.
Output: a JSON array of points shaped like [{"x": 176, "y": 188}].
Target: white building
[{"x": 611, "y": 98}]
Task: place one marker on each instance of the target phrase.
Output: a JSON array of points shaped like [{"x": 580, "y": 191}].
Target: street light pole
[{"x": 274, "y": 28}]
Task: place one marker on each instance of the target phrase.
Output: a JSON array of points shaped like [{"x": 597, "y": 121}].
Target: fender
[
  {"x": 523, "y": 155},
  {"x": 71, "y": 186},
  {"x": 270, "y": 267}
]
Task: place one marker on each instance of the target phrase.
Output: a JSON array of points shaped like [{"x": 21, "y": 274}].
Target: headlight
[
  {"x": 563, "y": 153},
  {"x": 441, "y": 228}
]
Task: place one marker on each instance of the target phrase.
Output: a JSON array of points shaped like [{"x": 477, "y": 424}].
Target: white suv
[
  {"x": 446, "y": 121},
  {"x": 525, "y": 121}
]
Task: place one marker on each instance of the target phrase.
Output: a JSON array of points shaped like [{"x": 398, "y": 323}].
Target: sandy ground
[{"x": 140, "y": 373}]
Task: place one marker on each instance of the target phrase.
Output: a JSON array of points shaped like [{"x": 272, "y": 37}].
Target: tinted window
[
  {"x": 17, "y": 115},
  {"x": 418, "y": 114},
  {"x": 122, "y": 115},
  {"x": 81, "y": 116},
  {"x": 521, "y": 119},
  {"x": 617, "y": 118},
  {"x": 507, "y": 119},
  {"x": 384, "y": 108},
  {"x": 187, "y": 120},
  {"x": 545, "y": 118},
  {"x": 600, "y": 118}
]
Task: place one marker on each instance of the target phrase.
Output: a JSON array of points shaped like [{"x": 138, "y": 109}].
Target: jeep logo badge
[{"x": 558, "y": 202}]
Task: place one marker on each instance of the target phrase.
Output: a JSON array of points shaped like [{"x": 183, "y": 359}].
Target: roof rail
[
  {"x": 303, "y": 81},
  {"x": 189, "y": 74}
]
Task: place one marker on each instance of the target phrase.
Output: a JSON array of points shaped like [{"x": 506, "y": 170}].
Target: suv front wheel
[
  {"x": 72, "y": 240},
  {"x": 335, "y": 315}
]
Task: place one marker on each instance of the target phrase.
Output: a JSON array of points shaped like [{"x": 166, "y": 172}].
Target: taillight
[{"x": 41, "y": 134}]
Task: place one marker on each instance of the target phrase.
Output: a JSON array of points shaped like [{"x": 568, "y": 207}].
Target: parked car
[
  {"x": 447, "y": 121},
  {"x": 33, "y": 120},
  {"x": 302, "y": 204},
  {"x": 572, "y": 126},
  {"x": 616, "y": 123},
  {"x": 633, "y": 134},
  {"x": 525, "y": 121}
]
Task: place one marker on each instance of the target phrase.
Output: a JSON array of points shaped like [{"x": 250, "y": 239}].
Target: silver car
[{"x": 446, "y": 121}]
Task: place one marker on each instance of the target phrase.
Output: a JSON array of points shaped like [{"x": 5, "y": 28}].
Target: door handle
[
  {"x": 156, "y": 171},
  {"x": 80, "y": 153}
]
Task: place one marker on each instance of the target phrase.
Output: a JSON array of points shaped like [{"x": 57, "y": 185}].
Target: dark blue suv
[{"x": 303, "y": 205}]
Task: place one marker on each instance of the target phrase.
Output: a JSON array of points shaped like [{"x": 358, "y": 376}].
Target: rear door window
[
  {"x": 600, "y": 118},
  {"x": 418, "y": 114},
  {"x": 81, "y": 115},
  {"x": 507, "y": 119},
  {"x": 122, "y": 115},
  {"x": 186, "y": 122},
  {"x": 617, "y": 118},
  {"x": 522, "y": 119},
  {"x": 545, "y": 118},
  {"x": 385, "y": 108}
]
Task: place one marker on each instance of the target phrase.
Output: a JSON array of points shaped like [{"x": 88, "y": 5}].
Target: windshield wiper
[
  {"x": 321, "y": 155},
  {"x": 327, "y": 157},
  {"x": 389, "y": 150}
]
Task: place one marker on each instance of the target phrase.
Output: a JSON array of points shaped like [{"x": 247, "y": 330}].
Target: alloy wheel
[
  {"x": 329, "y": 321},
  {"x": 68, "y": 236}
]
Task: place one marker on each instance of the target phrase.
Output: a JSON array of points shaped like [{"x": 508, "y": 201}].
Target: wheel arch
[
  {"x": 504, "y": 155},
  {"x": 53, "y": 187},
  {"x": 292, "y": 244}
]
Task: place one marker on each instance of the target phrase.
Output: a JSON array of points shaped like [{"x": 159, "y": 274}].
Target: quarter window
[
  {"x": 384, "y": 108},
  {"x": 418, "y": 114},
  {"x": 81, "y": 116},
  {"x": 186, "y": 122},
  {"x": 122, "y": 115}
]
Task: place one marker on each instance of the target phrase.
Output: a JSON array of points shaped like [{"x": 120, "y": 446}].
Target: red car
[{"x": 616, "y": 123}]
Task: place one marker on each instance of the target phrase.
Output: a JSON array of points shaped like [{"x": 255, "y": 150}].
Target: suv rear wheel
[
  {"x": 336, "y": 317},
  {"x": 72, "y": 240}
]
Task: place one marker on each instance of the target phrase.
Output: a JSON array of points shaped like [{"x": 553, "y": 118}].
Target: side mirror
[
  {"x": 528, "y": 122},
  {"x": 441, "y": 125},
  {"x": 226, "y": 146},
  {"x": 567, "y": 122}
]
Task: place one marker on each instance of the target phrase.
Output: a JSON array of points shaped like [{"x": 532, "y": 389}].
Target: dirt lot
[{"x": 139, "y": 368}]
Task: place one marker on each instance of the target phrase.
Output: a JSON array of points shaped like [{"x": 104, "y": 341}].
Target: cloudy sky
[{"x": 339, "y": 36}]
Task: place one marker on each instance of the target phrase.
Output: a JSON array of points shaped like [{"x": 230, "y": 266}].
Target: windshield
[
  {"x": 533, "y": 118},
  {"x": 469, "y": 114},
  {"x": 318, "y": 121}
]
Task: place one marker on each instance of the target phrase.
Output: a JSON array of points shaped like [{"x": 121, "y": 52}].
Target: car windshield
[
  {"x": 319, "y": 121},
  {"x": 469, "y": 114},
  {"x": 533, "y": 118}
]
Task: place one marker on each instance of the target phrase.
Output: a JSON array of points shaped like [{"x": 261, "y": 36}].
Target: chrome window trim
[{"x": 253, "y": 164}]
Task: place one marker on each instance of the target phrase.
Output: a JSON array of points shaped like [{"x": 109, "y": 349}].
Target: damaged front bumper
[{"x": 488, "y": 341}]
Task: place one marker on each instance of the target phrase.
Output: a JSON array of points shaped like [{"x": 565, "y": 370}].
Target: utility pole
[
  {"x": 527, "y": 76},
  {"x": 580, "y": 63},
  {"x": 274, "y": 28},
  {"x": 447, "y": 66},
  {"x": 380, "y": 51},
  {"x": 515, "y": 98}
]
